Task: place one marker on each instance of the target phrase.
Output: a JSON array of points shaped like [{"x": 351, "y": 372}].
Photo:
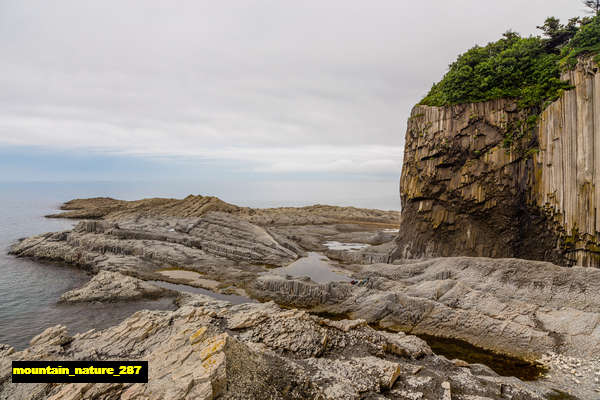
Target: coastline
[{"x": 129, "y": 249}]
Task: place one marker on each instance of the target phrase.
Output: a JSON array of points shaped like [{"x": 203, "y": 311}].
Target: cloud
[
  {"x": 374, "y": 160},
  {"x": 282, "y": 86}
]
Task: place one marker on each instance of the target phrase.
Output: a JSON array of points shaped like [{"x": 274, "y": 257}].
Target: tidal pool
[
  {"x": 459, "y": 349},
  {"x": 333, "y": 245},
  {"x": 316, "y": 266},
  {"x": 232, "y": 298},
  {"x": 501, "y": 364}
]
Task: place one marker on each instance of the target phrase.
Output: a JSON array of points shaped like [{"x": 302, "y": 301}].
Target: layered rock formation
[
  {"x": 196, "y": 206},
  {"x": 478, "y": 180},
  {"x": 109, "y": 286},
  {"x": 218, "y": 245},
  {"x": 138, "y": 239},
  {"x": 528, "y": 309},
  {"x": 521, "y": 308},
  {"x": 516, "y": 307},
  {"x": 208, "y": 349}
]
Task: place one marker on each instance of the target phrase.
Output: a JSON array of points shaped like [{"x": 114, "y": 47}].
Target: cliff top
[{"x": 523, "y": 68}]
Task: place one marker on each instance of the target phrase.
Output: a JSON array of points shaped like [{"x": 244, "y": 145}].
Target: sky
[{"x": 236, "y": 90}]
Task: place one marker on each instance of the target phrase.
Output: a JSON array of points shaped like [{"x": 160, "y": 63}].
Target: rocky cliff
[
  {"x": 483, "y": 179},
  {"x": 566, "y": 179}
]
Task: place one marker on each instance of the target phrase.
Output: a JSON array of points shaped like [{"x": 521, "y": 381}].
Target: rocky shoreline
[
  {"x": 535, "y": 311},
  {"x": 208, "y": 349}
]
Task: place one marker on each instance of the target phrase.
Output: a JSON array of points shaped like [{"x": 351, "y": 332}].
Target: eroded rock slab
[
  {"x": 215, "y": 244},
  {"x": 208, "y": 349},
  {"x": 197, "y": 206},
  {"x": 109, "y": 286},
  {"x": 517, "y": 307}
]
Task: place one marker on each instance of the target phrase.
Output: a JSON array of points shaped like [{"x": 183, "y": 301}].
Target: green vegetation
[
  {"x": 523, "y": 68},
  {"x": 586, "y": 40}
]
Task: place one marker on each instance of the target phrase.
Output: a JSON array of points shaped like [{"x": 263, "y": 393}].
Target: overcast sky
[{"x": 137, "y": 89}]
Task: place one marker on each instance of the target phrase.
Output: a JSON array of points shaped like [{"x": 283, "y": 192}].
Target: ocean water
[{"x": 29, "y": 289}]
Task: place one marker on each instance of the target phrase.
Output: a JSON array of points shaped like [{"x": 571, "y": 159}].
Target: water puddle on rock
[
  {"x": 501, "y": 364},
  {"x": 192, "y": 277},
  {"x": 232, "y": 298},
  {"x": 316, "y": 266},
  {"x": 333, "y": 245},
  {"x": 452, "y": 349}
]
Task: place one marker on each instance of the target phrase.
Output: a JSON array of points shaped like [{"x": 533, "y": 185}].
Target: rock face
[
  {"x": 516, "y": 307},
  {"x": 462, "y": 192},
  {"x": 208, "y": 349},
  {"x": 566, "y": 179},
  {"x": 477, "y": 181}
]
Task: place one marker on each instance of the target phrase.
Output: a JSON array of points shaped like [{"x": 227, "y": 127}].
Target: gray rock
[
  {"x": 208, "y": 349},
  {"x": 112, "y": 286},
  {"x": 517, "y": 307}
]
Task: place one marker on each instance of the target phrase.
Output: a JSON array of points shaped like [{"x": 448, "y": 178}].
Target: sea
[{"x": 30, "y": 289}]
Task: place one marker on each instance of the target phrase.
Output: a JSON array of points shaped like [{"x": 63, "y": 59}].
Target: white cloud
[{"x": 284, "y": 86}]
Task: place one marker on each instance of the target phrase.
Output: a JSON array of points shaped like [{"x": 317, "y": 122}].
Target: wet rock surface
[{"x": 208, "y": 349}]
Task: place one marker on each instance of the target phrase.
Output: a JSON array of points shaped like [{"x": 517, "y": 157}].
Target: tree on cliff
[
  {"x": 512, "y": 67},
  {"x": 557, "y": 34},
  {"x": 593, "y": 5},
  {"x": 527, "y": 69},
  {"x": 585, "y": 41}
]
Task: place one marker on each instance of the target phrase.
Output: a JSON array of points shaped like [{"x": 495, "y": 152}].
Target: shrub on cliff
[
  {"x": 586, "y": 40},
  {"x": 526, "y": 69}
]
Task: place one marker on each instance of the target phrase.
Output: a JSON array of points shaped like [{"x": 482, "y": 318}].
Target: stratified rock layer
[
  {"x": 109, "y": 286},
  {"x": 208, "y": 350},
  {"x": 168, "y": 241},
  {"x": 516, "y": 307},
  {"x": 196, "y": 206},
  {"x": 477, "y": 181}
]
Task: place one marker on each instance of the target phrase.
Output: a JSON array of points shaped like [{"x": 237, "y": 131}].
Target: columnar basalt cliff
[
  {"x": 477, "y": 180},
  {"x": 566, "y": 179}
]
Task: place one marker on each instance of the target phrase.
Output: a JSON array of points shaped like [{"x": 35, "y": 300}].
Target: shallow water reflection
[
  {"x": 316, "y": 266},
  {"x": 333, "y": 245},
  {"x": 232, "y": 298}
]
